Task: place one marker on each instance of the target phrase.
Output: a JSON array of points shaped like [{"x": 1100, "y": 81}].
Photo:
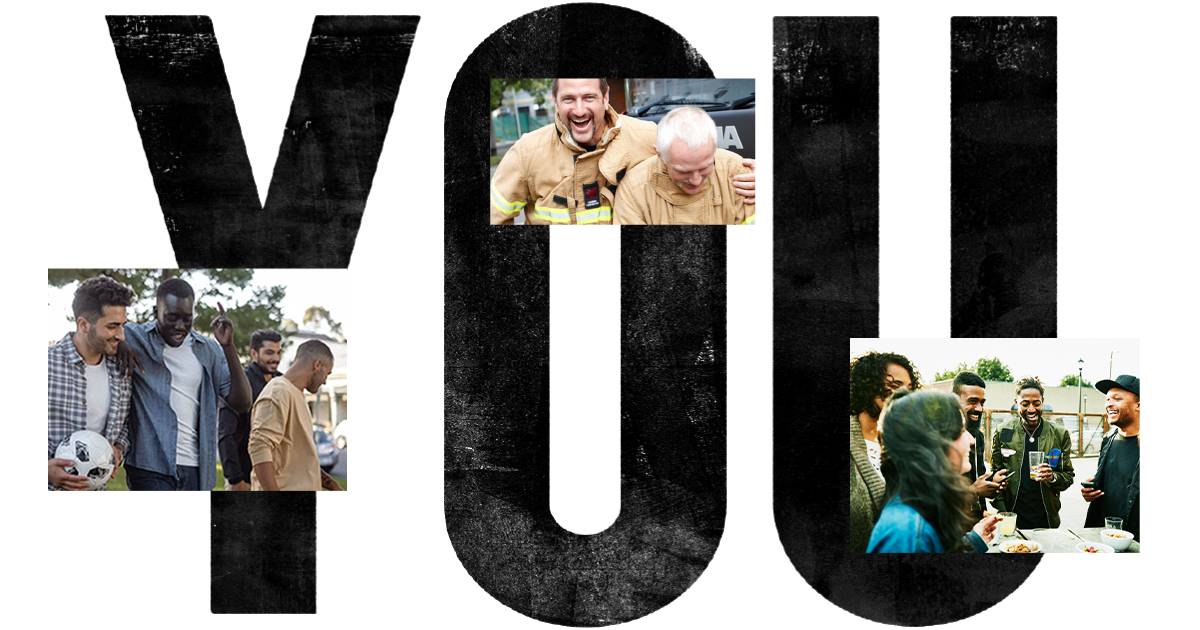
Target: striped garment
[{"x": 66, "y": 399}]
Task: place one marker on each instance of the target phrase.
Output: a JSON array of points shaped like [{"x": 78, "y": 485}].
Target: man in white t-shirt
[
  {"x": 85, "y": 387},
  {"x": 175, "y": 394}
]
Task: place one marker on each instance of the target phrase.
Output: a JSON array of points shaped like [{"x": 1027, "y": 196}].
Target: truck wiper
[
  {"x": 742, "y": 103},
  {"x": 705, "y": 105}
]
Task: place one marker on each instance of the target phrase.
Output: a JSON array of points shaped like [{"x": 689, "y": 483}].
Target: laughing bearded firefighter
[{"x": 567, "y": 173}]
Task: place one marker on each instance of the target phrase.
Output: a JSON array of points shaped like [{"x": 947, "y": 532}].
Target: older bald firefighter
[{"x": 567, "y": 173}]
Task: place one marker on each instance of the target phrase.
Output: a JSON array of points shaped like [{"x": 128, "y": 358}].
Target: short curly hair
[
  {"x": 94, "y": 294},
  {"x": 866, "y": 379},
  {"x": 1030, "y": 382}
]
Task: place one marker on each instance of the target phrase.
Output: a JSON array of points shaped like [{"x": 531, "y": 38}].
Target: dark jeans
[{"x": 186, "y": 478}]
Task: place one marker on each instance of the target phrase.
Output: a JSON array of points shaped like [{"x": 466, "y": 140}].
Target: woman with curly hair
[
  {"x": 925, "y": 452},
  {"x": 873, "y": 378}
]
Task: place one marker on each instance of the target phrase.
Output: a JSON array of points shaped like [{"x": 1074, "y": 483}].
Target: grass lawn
[{"x": 118, "y": 480}]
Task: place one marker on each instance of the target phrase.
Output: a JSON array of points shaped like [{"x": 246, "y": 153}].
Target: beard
[
  {"x": 99, "y": 343},
  {"x": 974, "y": 423}
]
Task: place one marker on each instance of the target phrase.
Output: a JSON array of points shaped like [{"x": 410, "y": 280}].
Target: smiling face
[
  {"x": 109, "y": 329},
  {"x": 581, "y": 108},
  {"x": 267, "y": 356},
  {"x": 1123, "y": 407},
  {"x": 895, "y": 378},
  {"x": 960, "y": 451},
  {"x": 971, "y": 397},
  {"x": 1029, "y": 406},
  {"x": 173, "y": 318}
]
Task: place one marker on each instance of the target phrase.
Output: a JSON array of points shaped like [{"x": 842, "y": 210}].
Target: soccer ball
[{"x": 93, "y": 455}]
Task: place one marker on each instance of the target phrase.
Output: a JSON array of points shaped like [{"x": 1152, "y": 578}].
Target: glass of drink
[
  {"x": 1008, "y": 525},
  {"x": 1036, "y": 458},
  {"x": 1112, "y": 522}
]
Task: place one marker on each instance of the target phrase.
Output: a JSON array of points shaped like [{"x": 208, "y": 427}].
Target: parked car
[
  {"x": 340, "y": 435},
  {"x": 327, "y": 454}
]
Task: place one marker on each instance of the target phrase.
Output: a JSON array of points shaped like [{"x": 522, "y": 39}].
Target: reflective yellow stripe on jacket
[
  {"x": 595, "y": 215},
  {"x": 503, "y": 204},
  {"x": 749, "y": 220},
  {"x": 553, "y": 215},
  {"x": 563, "y": 215}
]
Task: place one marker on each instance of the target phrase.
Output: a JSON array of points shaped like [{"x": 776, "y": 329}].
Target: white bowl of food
[
  {"x": 1091, "y": 547},
  {"x": 1118, "y": 539},
  {"x": 1020, "y": 546}
]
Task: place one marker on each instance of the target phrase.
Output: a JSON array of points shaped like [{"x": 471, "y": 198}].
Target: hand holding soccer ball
[
  {"x": 60, "y": 478},
  {"x": 93, "y": 460}
]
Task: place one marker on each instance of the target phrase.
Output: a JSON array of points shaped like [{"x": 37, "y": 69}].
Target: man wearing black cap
[{"x": 1115, "y": 492}]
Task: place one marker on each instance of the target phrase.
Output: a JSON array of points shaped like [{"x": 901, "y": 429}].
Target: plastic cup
[{"x": 1112, "y": 522}]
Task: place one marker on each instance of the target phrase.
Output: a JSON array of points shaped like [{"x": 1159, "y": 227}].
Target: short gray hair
[{"x": 691, "y": 125}]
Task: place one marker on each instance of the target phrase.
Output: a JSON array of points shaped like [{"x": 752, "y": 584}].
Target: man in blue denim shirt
[{"x": 175, "y": 394}]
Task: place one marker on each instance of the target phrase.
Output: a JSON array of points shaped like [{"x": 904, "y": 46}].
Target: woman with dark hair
[
  {"x": 925, "y": 451},
  {"x": 873, "y": 378}
]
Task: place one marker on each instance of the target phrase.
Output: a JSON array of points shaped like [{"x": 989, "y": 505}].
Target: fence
[
  {"x": 1086, "y": 429},
  {"x": 507, "y": 125}
]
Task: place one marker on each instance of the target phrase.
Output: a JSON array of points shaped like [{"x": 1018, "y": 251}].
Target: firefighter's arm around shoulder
[
  {"x": 744, "y": 214},
  {"x": 509, "y": 189}
]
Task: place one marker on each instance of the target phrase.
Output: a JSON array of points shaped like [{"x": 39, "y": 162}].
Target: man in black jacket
[
  {"x": 233, "y": 429},
  {"x": 971, "y": 395},
  {"x": 1115, "y": 492}
]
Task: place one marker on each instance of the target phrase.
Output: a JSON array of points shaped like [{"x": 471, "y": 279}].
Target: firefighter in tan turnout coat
[
  {"x": 688, "y": 182},
  {"x": 567, "y": 173}
]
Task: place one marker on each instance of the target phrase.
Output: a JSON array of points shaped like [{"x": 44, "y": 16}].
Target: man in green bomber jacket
[{"x": 1035, "y": 503}]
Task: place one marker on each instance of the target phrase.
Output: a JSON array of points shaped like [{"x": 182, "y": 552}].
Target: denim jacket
[
  {"x": 902, "y": 529},
  {"x": 154, "y": 427}
]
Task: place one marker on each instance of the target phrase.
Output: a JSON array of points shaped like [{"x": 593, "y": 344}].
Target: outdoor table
[{"x": 1061, "y": 540}]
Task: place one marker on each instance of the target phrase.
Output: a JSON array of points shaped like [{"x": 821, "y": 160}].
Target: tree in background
[
  {"x": 1072, "y": 380},
  {"x": 536, "y": 87},
  {"x": 987, "y": 369},
  {"x": 316, "y": 315}
]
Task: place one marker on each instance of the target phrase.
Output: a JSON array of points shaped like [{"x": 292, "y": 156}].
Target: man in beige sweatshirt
[{"x": 281, "y": 443}]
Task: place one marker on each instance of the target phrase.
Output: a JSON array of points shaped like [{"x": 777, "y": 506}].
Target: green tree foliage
[
  {"x": 987, "y": 369},
  {"x": 1072, "y": 380},
  {"x": 319, "y": 314},
  {"x": 502, "y": 89}
]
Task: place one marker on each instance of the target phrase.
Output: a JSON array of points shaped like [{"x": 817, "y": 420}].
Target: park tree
[
  {"x": 536, "y": 87},
  {"x": 314, "y": 316},
  {"x": 987, "y": 369},
  {"x": 1072, "y": 380}
]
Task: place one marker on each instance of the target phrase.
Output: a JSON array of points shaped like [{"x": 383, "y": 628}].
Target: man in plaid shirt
[{"x": 85, "y": 388}]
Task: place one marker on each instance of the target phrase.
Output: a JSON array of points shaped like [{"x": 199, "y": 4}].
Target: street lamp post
[{"x": 1080, "y": 402}]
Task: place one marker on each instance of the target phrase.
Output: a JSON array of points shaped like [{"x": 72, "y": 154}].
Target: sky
[
  {"x": 1048, "y": 359},
  {"x": 305, "y": 288}
]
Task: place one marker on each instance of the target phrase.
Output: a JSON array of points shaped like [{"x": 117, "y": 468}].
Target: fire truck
[{"x": 730, "y": 103}]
